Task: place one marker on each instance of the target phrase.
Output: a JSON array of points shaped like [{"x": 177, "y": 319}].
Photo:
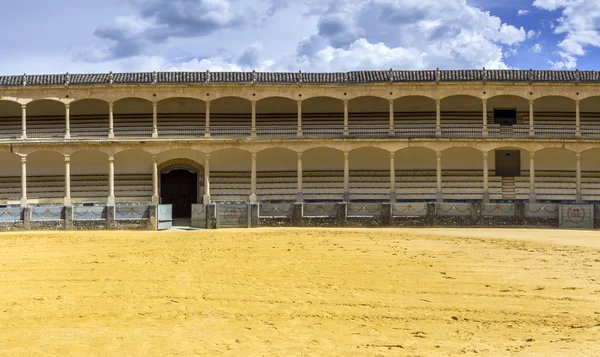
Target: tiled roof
[{"x": 355, "y": 77}]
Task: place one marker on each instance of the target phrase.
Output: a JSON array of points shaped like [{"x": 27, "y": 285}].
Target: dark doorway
[
  {"x": 508, "y": 163},
  {"x": 505, "y": 116},
  {"x": 180, "y": 189}
]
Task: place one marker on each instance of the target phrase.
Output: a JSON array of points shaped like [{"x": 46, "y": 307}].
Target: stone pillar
[
  {"x": 27, "y": 217},
  {"x": 154, "y": 119},
  {"x": 111, "y": 213},
  {"x": 531, "y": 127},
  {"x": 67, "y": 121},
  {"x": 111, "y": 181},
  {"x": 211, "y": 216},
  {"x": 253, "y": 211},
  {"x": 253, "y": 128},
  {"x": 532, "y": 198},
  {"x": 392, "y": 123},
  {"x": 392, "y": 177},
  {"x": 484, "y": 131},
  {"x": 68, "y": 201},
  {"x": 578, "y": 178},
  {"x": 68, "y": 211},
  {"x": 155, "y": 180},
  {"x": 111, "y": 121},
  {"x": 438, "y": 117},
  {"x": 386, "y": 215},
  {"x": 206, "y": 179},
  {"x": 253, "y": 197},
  {"x": 207, "y": 121},
  {"x": 297, "y": 214},
  {"x": 299, "y": 130},
  {"x": 341, "y": 214},
  {"x": 23, "y": 181},
  {"x": 346, "y": 177},
  {"x": 439, "y": 195},
  {"x": 486, "y": 189},
  {"x": 300, "y": 194},
  {"x": 577, "y": 119},
  {"x": 24, "y": 121},
  {"x": 346, "y": 130},
  {"x": 152, "y": 217}
]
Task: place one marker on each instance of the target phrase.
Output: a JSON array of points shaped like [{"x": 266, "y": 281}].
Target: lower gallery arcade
[{"x": 186, "y": 176}]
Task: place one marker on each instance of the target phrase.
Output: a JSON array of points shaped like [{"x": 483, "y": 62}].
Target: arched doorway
[{"x": 181, "y": 185}]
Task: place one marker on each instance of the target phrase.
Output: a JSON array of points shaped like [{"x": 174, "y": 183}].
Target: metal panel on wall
[
  {"x": 198, "y": 216},
  {"x": 165, "y": 217},
  {"x": 576, "y": 216},
  {"x": 46, "y": 213},
  {"x": 454, "y": 209},
  {"x": 541, "y": 210},
  {"x": 498, "y": 210},
  {"x": 233, "y": 215}
]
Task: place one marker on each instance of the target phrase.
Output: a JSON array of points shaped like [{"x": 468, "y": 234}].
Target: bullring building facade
[{"x": 247, "y": 148}]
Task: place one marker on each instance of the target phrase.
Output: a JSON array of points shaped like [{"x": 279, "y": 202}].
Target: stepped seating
[
  {"x": 94, "y": 188},
  {"x": 369, "y": 185}
]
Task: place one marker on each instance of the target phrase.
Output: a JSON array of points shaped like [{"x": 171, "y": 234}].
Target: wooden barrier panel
[
  {"x": 276, "y": 210},
  {"x": 454, "y": 209},
  {"x": 46, "y": 213},
  {"x": 198, "y": 216},
  {"x": 319, "y": 210},
  {"x": 410, "y": 209},
  {"x": 85, "y": 213},
  {"x": 541, "y": 210},
  {"x": 498, "y": 209},
  {"x": 576, "y": 216},
  {"x": 131, "y": 212},
  {"x": 165, "y": 217},
  {"x": 370, "y": 209},
  {"x": 10, "y": 214},
  {"x": 233, "y": 215}
]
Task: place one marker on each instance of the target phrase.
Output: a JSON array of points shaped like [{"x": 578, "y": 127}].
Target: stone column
[
  {"x": 155, "y": 180},
  {"x": 577, "y": 119},
  {"x": 392, "y": 177},
  {"x": 111, "y": 181},
  {"x": 300, "y": 195},
  {"x": 23, "y": 121},
  {"x": 484, "y": 131},
  {"x": 207, "y": 122},
  {"x": 578, "y": 175},
  {"x": 67, "y": 121},
  {"x": 392, "y": 124},
  {"x": 154, "y": 119},
  {"x": 438, "y": 117},
  {"x": 346, "y": 176},
  {"x": 299, "y": 130},
  {"x": 346, "y": 130},
  {"x": 23, "y": 181},
  {"x": 531, "y": 127},
  {"x": 206, "y": 179},
  {"x": 68, "y": 201},
  {"x": 253, "y": 129},
  {"x": 111, "y": 121},
  {"x": 486, "y": 189},
  {"x": 439, "y": 196},
  {"x": 253, "y": 197},
  {"x": 532, "y": 197}
]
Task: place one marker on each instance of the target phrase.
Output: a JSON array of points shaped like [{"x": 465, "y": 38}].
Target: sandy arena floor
[{"x": 301, "y": 292}]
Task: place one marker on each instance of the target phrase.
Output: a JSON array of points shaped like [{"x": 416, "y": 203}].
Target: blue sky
[{"x": 309, "y": 35}]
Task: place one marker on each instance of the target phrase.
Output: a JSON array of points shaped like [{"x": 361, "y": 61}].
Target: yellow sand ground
[{"x": 301, "y": 292}]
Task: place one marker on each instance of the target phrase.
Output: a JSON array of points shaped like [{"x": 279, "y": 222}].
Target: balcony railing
[{"x": 316, "y": 131}]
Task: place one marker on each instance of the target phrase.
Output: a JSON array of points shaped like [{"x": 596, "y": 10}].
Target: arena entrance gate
[{"x": 179, "y": 188}]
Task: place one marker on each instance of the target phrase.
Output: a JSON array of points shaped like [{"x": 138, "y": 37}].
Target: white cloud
[
  {"x": 522, "y": 12},
  {"x": 537, "y": 48},
  {"x": 579, "y": 23},
  {"x": 531, "y": 34}
]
